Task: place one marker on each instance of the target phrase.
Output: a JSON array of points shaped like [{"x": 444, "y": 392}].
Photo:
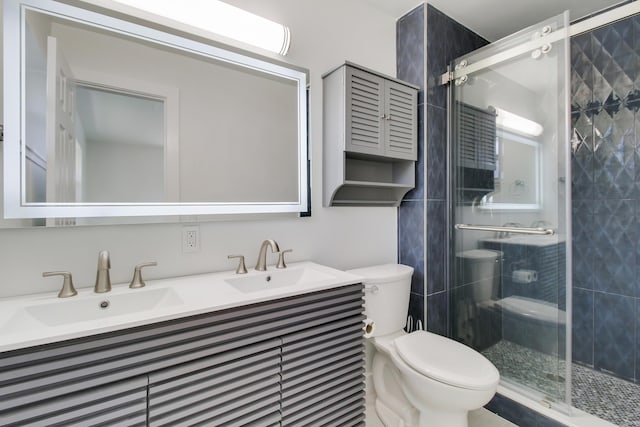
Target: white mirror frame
[{"x": 15, "y": 205}]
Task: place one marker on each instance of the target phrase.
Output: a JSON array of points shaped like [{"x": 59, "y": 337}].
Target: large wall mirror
[{"x": 106, "y": 117}]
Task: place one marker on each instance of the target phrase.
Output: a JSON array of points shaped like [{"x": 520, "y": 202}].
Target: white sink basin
[
  {"x": 264, "y": 281},
  {"x": 43, "y": 318},
  {"x": 101, "y": 306}
]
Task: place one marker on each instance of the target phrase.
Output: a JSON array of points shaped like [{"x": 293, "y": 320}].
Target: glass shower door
[{"x": 510, "y": 208}]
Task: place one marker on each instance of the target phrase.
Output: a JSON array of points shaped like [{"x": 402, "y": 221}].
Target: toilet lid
[{"x": 446, "y": 360}]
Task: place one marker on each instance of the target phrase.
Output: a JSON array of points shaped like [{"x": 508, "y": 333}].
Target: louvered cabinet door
[
  {"x": 323, "y": 368},
  {"x": 233, "y": 388},
  {"x": 119, "y": 404},
  {"x": 364, "y": 112},
  {"x": 401, "y": 130}
]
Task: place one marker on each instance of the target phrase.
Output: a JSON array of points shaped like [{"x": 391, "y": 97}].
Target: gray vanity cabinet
[{"x": 291, "y": 361}]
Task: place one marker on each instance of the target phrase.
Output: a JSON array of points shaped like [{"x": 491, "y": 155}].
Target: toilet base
[{"x": 433, "y": 418}]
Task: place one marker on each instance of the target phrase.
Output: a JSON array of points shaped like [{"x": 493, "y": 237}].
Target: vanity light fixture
[
  {"x": 516, "y": 123},
  {"x": 221, "y": 18}
]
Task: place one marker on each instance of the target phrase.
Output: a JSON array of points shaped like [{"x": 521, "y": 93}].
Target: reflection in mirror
[
  {"x": 518, "y": 180},
  {"x": 123, "y": 136},
  {"x": 123, "y": 120}
]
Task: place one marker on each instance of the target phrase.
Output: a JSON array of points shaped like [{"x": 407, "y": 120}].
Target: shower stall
[{"x": 544, "y": 175}]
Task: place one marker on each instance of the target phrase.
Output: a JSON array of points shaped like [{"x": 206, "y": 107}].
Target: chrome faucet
[
  {"x": 103, "y": 281},
  {"x": 261, "y": 265}
]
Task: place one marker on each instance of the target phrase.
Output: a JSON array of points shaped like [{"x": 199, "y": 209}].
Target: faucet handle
[
  {"x": 281, "y": 263},
  {"x": 136, "y": 281},
  {"x": 67, "y": 285},
  {"x": 241, "y": 269}
]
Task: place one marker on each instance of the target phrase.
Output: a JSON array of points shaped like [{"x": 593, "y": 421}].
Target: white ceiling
[{"x": 494, "y": 19}]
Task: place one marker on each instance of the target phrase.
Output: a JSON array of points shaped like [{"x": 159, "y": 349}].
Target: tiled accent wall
[
  {"x": 605, "y": 82},
  {"x": 422, "y": 217},
  {"x": 410, "y": 64}
]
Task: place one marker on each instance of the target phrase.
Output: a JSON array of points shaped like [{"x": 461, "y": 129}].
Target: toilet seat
[{"x": 447, "y": 361}]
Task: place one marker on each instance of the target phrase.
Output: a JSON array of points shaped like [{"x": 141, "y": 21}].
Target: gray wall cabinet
[
  {"x": 370, "y": 137},
  {"x": 288, "y": 362}
]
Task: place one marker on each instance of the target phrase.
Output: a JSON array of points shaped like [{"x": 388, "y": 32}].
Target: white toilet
[{"x": 420, "y": 379}]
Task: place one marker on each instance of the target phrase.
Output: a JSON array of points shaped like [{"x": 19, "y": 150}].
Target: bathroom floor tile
[{"x": 484, "y": 418}]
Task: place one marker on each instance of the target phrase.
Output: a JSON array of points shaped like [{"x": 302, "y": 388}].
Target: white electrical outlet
[{"x": 191, "y": 238}]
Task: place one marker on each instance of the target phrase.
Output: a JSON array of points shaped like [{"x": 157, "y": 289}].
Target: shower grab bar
[{"x": 504, "y": 229}]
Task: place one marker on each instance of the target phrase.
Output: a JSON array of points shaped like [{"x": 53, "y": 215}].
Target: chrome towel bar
[{"x": 504, "y": 229}]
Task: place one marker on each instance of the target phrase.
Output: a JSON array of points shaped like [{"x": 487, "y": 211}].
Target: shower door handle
[{"x": 506, "y": 229}]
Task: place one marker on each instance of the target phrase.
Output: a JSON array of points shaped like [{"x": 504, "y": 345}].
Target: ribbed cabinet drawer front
[
  {"x": 123, "y": 403},
  {"x": 323, "y": 373},
  {"x": 227, "y": 388}
]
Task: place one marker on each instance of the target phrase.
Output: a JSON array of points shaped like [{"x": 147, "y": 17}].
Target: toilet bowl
[{"x": 420, "y": 379}]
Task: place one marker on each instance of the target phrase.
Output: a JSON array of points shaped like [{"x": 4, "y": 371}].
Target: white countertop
[{"x": 160, "y": 300}]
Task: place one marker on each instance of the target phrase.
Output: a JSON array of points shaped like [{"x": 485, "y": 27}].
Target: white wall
[{"x": 324, "y": 34}]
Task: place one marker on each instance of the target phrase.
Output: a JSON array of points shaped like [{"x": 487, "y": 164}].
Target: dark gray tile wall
[
  {"x": 425, "y": 207},
  {"x": 411, "y": 214},
  {"x": 605, "y": 99}
]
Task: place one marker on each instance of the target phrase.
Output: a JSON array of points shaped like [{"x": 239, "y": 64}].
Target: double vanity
[{"x": 274, "y": 347}]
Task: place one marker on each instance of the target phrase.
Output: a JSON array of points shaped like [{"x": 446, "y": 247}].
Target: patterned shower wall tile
[
  {"x": 460, "y": 40},
  {"x": 637, "y": 348},
  {"x": 636, "y": 155},
  {"x": 411, "y": 241},
  {"x": 436, "y": 242},
  {"x": 436, "y": 153},
  {"x": 582, "y": 157},
  {"x": 582, "y": 244},
  {"x": 416, "y": 311},
  {"x": 410, "y": 47},
  {"x": 582, "y": 185},
  {"x": 437, "y": 311},
  {"x": 620, "y": 207},
  {"x": 637, "y": 256},
  {"x": 615, "y": 61},
  {"x": 613, "y": 334},
  {"x": 582, "y": 326},
  {"x": 417, "y": 193},
  {"x": 636, "y": 32},
  {"x": 614, "y": 154},
  {"x": 582, "y": 72},
  {"x": 614, "y": 253},
  {"x": 437, "y": 58}
]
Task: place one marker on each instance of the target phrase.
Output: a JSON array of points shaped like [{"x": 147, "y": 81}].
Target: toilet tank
[
  {"x": 480, "y": 269},
  {"x": 386, "y": 295}
]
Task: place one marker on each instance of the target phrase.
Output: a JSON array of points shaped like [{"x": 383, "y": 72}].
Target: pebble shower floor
[{"x": 594, "y": 392}]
